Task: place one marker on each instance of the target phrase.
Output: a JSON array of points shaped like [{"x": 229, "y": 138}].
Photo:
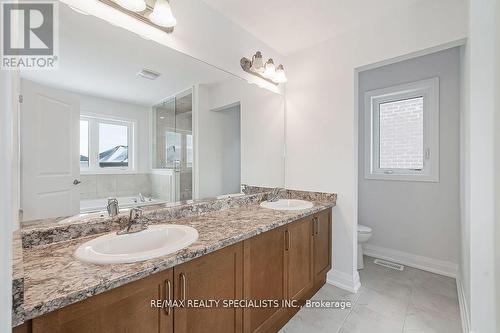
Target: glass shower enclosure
[{"x": 173, "y": 147}]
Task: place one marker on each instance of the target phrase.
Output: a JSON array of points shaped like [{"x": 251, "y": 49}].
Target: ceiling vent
[{"x": 149, "y": 74}]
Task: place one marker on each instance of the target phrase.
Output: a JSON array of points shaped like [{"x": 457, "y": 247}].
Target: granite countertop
[
  {"x": 17, "y": 279},
  {"x": 53, "y": 278}
]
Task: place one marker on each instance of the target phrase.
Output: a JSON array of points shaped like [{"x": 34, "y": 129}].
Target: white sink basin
[
  {"x": 287, "y": 204},
  {"x": 156, "y": 241}
]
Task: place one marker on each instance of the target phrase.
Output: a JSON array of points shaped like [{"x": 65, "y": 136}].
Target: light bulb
[
  {"x": 280, "y": 76},
  {"x": 162, "y": 14},
  {"x": 132, "y": 5},
  {"x": 270, "y": 69},
  {"x": 257, "y": 64}
]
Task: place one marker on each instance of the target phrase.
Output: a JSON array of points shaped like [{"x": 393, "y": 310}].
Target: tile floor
[{"x": 388, "y": 301}]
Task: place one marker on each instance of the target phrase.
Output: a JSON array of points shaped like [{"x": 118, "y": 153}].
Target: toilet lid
[{"x": 364, "y": 229}]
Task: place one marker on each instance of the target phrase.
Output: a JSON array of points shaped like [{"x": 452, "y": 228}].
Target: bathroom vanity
[
  {"x": 244, "y": 252},
  {"x": 127, "y": 121}
]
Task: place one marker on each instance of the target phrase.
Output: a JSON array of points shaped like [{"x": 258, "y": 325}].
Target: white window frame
[
  {"x": 94, "y": 121},
  {"x": 429, "y": 90}
]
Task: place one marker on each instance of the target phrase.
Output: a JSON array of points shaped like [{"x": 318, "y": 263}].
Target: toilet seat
[{"x": 364, "y": 229}]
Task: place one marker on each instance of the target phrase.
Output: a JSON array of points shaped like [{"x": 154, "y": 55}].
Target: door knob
[{"x": 76, "y": 182}]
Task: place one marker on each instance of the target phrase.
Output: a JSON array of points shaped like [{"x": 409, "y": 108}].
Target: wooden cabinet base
[
  {"x": 23, "y": 328},
  {"x": 124, "y": 309}
]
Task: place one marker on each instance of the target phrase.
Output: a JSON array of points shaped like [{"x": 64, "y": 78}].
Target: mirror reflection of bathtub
[{"x": 96, "y": 205}]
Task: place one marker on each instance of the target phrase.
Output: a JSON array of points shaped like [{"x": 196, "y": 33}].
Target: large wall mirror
[{"x": 124, "y": 117}]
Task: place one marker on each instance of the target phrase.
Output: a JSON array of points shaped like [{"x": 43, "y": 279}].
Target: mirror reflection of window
[
  {"x": 84, "y": 144},
  {"x": 113, "y": 145},
  {"x": 105, "y": 144}
]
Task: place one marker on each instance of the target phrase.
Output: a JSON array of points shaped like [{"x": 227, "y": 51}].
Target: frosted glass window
[{"x": 401, "y": 134}]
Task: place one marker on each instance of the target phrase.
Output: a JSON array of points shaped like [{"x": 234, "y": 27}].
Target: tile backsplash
[{"x": 104, "y": 186}]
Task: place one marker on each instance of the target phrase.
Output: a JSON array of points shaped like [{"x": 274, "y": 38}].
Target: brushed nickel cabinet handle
[
  {"x": 287, "y": 240},
  {"x": 183, "y": 286},
  {"x": 168, "y": 291},
  {"x": 317, "y": 225}
]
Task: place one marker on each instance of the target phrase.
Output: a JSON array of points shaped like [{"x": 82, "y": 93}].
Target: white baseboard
[
  {"x": 441, "y": 267},
  {"x": 343, "y": 280},
  {"x": 464, "y": 311}
]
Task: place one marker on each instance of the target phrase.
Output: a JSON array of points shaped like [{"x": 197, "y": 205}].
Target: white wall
[
  {"x": 418, "y": 218},
  {"x": 463, "y": 281},
  {"x": 8, "y": 206},
  {"x": 322, "y": 111},
  {"x": 480, "y": 173},
  {"x": 497, "y": 163},
  {"x": 262, "y": 131}
]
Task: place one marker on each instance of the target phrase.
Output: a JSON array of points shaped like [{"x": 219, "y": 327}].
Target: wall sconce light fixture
[
  {"x": 156, "y": 13},
  {"x": 267, "y": 71}
]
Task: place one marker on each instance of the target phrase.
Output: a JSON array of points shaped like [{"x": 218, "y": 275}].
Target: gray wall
[{"x": 420, "y": 218}]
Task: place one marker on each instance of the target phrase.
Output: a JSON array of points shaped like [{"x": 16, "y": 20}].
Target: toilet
[{"x": 364, "y": 234}]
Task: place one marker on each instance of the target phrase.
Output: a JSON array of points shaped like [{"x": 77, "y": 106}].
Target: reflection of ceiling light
[
  {"x": 132, "y": 5},
  {"x": 162, "y": 14},
  {"x": 149, "y": 74},
  {"x": 162, "y": 117},
  {"x": 280, "y": 76}
]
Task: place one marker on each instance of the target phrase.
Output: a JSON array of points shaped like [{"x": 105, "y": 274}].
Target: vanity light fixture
[
  {"x": 257, "y": 64},
  {"x": 267, "y": 72},
  {"x": 280, "y": 76},
  {"x": 270, "y": 69},
  {"x": 132, "y": 5},
  {"x": 162, "y": 14},
  {"x": 156, "y": 13}
]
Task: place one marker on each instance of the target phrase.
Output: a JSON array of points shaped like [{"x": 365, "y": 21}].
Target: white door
[{"x": 50, "y": 152}]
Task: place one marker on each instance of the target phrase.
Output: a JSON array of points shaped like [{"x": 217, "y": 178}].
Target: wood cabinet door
[
  {"x": 322, "y": 244},
  {"x": 264, "y": 279},
  {"x": 299, "y": 248},
  {"x": 215, "y": 276},
  {"x": 126, "y": 309}
]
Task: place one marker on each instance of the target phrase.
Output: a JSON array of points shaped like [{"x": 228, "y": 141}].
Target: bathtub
[{"x": 95, "y": 205}]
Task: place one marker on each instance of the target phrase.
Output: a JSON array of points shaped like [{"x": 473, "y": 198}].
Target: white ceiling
[
  {"x": 289, "y": 26},
  {"x": 102, "y": 60}
]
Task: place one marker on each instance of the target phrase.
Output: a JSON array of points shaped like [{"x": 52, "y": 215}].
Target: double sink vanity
[
  {"x": 198, "y": 148},
  {"x": 80, "y": 275}
]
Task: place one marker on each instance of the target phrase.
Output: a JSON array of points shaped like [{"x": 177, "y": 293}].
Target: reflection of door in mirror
[{"x": 173, "y": 142}]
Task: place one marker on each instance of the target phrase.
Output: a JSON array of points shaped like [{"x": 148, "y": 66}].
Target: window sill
[
  {"x": 108, "y": 172},
  {"x": 403, "y": 177}
]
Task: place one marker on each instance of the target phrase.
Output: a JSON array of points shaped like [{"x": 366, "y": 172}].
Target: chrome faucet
[
  {"x": 274, "y": 195},
  {"x": 136, "y": 222},
  {"x": 113, "y": 207},
  {"x": 141, "y": 198}
]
